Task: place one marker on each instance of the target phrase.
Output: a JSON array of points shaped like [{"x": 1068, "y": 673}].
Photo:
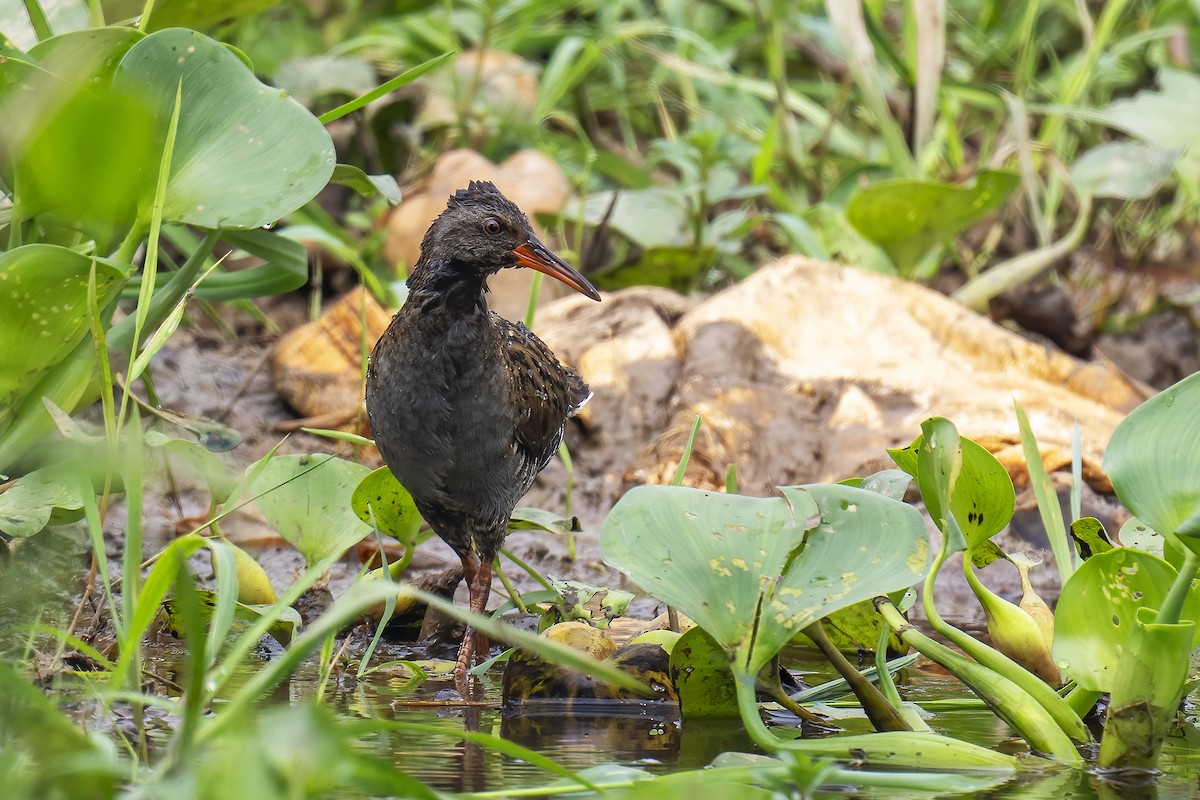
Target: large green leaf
[
  {"x": 307, "y": 499},
  {"x": 1124, "y": 170},
  {"x": 79, "y": 152},
  {"x": 754, "y": 571},
  {"x": 907, "y": 217},
  {"x": 1160, "y": 116},
  {"x": 651, "y": 217},
  {"x": 381, "y": 502},
  {"x": 1094, "y": 620},
  {"x": 47, "y": 496},
  {"x": 246, "y": 154},
  {"x": 201, "y": 13},
  {"x": 44, "y": 291},
  {"x": 1153, "y": 459},
  {"x": 982, "y": 497},
  {"x": 284, "y": 269}
]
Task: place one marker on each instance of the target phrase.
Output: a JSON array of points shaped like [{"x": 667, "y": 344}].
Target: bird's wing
[{"x": 542, "y": 391}]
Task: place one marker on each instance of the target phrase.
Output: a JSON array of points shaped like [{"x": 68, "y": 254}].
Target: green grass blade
[
  {"x": 687, "y": 453},
  {"x": 407, "y": 76},
  {"x": 1047, "y": 500}
]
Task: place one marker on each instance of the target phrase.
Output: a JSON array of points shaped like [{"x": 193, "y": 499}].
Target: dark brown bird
[{"x": 466, "y": 407}]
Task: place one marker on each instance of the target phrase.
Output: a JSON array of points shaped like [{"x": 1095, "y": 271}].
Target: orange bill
[{"x": 535, "y": 255}]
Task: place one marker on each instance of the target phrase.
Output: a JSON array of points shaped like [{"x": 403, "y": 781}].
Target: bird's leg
[
  {"x": 480, "y": 589},
  {"x": 478, "y": 575}
]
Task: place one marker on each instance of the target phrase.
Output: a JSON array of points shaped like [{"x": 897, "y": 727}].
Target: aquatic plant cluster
[{"x": 138, "y": 159}]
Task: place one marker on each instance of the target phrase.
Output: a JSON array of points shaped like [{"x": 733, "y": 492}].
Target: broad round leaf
[
  {"x": 202, "y": 13},
  {"x": 245, "y": 154},
  {"x": 754, "y": 571},
  {"x": 1125, "y": 170},
  {"x": 1096, "y": 612},
  {"x": 307, "y": 500},
  {"x": 1153, "y": 459},
  {"x": 380, "y": 501},
  {"x": 44, "y": 291},
  {"x": 982, "y": 497},
  {"x": 702, "y": 678},
  {"x": 707, "y": 554},
  {"x": 907, "y": 217},
  {"x": 48, "y": 496},
  {"x": 79, "y": 152}
]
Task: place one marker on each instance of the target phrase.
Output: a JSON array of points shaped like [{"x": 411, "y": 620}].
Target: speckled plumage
[{"x": 466, "y": 407}]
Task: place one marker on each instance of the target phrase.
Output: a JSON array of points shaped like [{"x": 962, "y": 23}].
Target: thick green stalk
[
  {"x": 890, "y": 748},
  {"x": 1150, "y": 679},
  {"x": 1008, "y": 700},
  {"x": 993, "y": 659},
  {"x": 1082, "y": 700},
  {"x": 1168, "y": 613}
]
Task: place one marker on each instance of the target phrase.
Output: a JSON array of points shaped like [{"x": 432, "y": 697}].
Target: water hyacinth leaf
[
  {"x": 1096, "y": 612},
  {"x": 908, "y": 217},
  {"x": 47, "y": 496},
  {"x": 982, "y": 499},
  {"x": 650, "y": 218},
  {"x": 891, "y": 483},
  {"x": 367, "y": 185},
  {"x": 1124, "y": 170},
  {"x": 538, "y": 519},
  {"x": 702, "y": 678},
  {"x": 734, "y": 564},
  {"x": 985, "y": 553},
  {"x": 1154, "y": 462},
  {"x": 201, "y": 14},
  {"x": 855, "y": 629},
  {"x": 706, "y": 554},
  {"x": 82, "y": 155},
  {"x": 1160, "y": 116},
  {"x": 314, "y": 78},
  {"x": 381, "y": 502},
  {"x": 307, "y": 499},
  {"x": 44, "y": 291},
  {"x": 246, "y": 154},
  {"x": 1137, "y": 534},
  {"x": 939, "y": 463},
  {"x": 1090, "y": 538}
]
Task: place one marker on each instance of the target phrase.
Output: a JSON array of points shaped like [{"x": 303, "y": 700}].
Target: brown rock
[{"x": 318, "y": 368}]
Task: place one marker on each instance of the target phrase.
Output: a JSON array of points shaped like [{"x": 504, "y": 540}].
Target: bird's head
[{"x": 481, "y": 232}]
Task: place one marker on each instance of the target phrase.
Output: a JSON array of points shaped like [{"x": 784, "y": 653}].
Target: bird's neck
[{"x": 441, "y": 283}]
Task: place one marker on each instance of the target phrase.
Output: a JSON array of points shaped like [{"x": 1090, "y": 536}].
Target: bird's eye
[{"x": 491, "y": 226}]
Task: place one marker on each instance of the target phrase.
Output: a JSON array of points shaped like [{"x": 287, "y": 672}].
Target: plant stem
[
  {"x": 1168, "y": 613},
  {"x": 1009, "y": 701},
  {"x": 774, "y": 687},
  {"x": 881, "y": 713},
  {"x": 513, "y": 594},
  {"x": 1037, "y": 689},
  {"x": 1082, "y": 700}
]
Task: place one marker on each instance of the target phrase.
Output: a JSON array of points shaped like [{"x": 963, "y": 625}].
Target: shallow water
[{"x": 581, "y": 734}]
